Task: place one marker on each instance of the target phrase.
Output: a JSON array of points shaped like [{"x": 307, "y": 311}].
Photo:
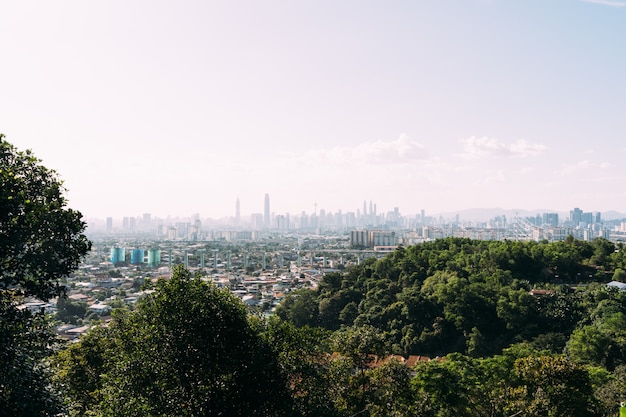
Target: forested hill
[{"x": 474, "y": 297}]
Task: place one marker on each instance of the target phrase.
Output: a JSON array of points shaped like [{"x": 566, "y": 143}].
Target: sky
[{"x": 183, "y": 107}]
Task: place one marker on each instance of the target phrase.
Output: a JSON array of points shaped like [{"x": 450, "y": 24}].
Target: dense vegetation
[
  {"x": 192, "y": 350},
  {"x": 41, "y": 241},
  {"x": 472, "y": 297}
]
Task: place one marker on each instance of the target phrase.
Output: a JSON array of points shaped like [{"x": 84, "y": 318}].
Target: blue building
[
  {"x": 118, "y": 255},
  {"x": 136, "y": 256},
  {"x": 154, "y": 257}
]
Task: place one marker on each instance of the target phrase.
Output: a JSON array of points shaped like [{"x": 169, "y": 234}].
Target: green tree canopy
[
  {"x": 41, "y": 241},
  {"x": 188, "y": 349}
]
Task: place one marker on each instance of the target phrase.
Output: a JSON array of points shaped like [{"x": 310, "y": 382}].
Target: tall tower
[
  {"x": 266, "y": 216},
  {"x": 237, "y": 212},
  {"x": 576, "y": 216}
]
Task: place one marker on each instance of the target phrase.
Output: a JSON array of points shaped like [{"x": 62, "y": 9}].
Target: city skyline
[
  {"x": 268, "y": 217},
  {"x": 186, "y": 107}
]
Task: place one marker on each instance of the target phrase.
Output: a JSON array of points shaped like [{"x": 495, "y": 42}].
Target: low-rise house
[
  {"x": 37, "y": 306},
  {"x": 100, "y": 308},
  {"x": 616, "y": 284},
  {"x": 76, "y": 332},
  {"x": 250, "y": 300},
  {"x": 79, "y": 297},
  {"x": 538, "y": 292},
  {"x": 413, "y": 360},
  {"x": 62, "y": 331}
]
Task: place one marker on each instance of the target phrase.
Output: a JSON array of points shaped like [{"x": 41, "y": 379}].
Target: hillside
[{"x": 460, "y": 295}]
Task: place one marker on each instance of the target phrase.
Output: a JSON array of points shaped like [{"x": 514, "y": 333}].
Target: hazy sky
[{"x": 181, "y": 107}]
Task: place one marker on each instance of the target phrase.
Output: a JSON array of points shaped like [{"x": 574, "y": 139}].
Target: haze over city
[{"x": 173, "y": 108}]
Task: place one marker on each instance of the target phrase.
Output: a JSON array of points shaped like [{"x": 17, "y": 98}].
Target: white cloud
[
  {"x": 401, "y": 151},
  {"x": 491, "y": 147},
  {"x": 524, "y": 148},
  {"x": 585, "y": 165},
  {"x": 527, "y": 170},
  {"x": 606, "y": 3},
  {"x": 494, "y": 177}
]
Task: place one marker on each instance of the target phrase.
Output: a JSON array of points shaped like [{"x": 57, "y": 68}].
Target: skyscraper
[
  {"x": 266, "y": 214},
  {"x": 576, "y": 216},
  {"x": 237, "y": 212}
]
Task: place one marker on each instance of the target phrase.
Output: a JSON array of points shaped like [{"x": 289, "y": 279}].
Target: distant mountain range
[{"x": 485, "y": 214}]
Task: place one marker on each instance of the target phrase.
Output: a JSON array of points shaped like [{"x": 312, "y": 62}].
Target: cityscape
[
  {"x": 409, "y": 229},
  {"x": 264, "y": 256}
]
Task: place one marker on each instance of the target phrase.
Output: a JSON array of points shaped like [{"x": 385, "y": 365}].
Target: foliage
[
  {"x": 602, "y": 343},
  {"x": 609, "y": 389},
  {"x": 551, "y": 386},
  {"x": 188, "y": 349},
  {"x": 26, "y": 340},
  {"x": 312, "y": 376},
  {"x": 80, "y": 368},
  {"x": 41, "y": 242},
  {"x": 499, "y": 348},
  {"x": 69, "y": 311},
  {"x": 462, "y": 295}
]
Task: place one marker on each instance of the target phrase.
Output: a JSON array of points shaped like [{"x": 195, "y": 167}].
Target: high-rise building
[
  {"x": 266, "y": 213},
  {"x": 372, "y": 238},
  {"x": 257, "y": 220},
  {"x": 576, "y": 216},
  {"x": 237, "y": 212},
  {"x": 146, "y": 221},
  {"x": 551, "y": 219},
  {"x": 118, "y": 255},
  {"x": 154, "y": 257},
  {"x": 282, "y": 222},
  {"x": 136, "y": 256}
]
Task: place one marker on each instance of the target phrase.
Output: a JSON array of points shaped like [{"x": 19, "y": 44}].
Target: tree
[
  {"x": 589, "y": 345},
  {"x": 602, "y": 343},
  {"x": 300, "y": 308},
  {"x": 79, "y": 369},
  {"x": 609, "y": 388},
  {"x": 460, "y": 385},
  {"x": 189, "y": 349},
  {"x": 362, "y": 346},
  {"x": 551, "y": 386},
  {"x": 391, "y": 393},
  {"x": 315, "y": 380},
  {"x": 41, "y": 241},
  {"x": 619, "y": 275},
  {"x": 25, "y": 342},
  {"x": 69, "y": 311}
]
